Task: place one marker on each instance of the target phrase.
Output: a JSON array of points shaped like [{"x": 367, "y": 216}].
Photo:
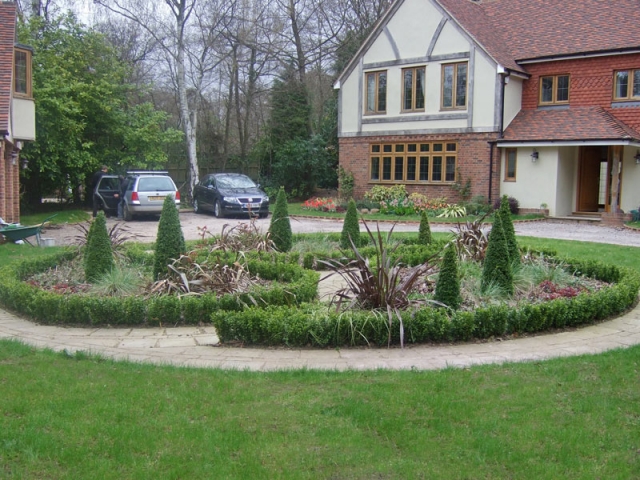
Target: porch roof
[{"x": 574, "y": 124}]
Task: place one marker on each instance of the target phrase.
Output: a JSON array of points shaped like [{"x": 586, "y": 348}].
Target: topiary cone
[
  {"x": 170, "y": 240},
  {"x": 350, "y": 227},
  {"x": 98, "y": 255},
  {"x": 280, "y": 227}
]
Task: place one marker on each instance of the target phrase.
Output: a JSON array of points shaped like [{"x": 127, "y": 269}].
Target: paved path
[{"x": 196, "y": 346}]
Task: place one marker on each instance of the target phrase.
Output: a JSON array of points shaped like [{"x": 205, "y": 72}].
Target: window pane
[
  {"x": 563, "y": 89},
  {"x": 375, "y": 168},
  {"x": 398, "y": 171},
  {"x": 622, "y": 84},
  {"x": 386, "y": 168},
  {"x": 411, "y": 168},
  {"x": 371, "y": 92},
  {"x": 636, "y": 83},
  {"x": 546, "y": 95},
  {"x": 400, "y": 147},
  {"x": 412, "y": 147},
  {"x": 424, "y": 169},
  {"x": 382, "y": 92},
  {"x": 436, "y": 175},
  {"x": 451, "y": 147},
  {"x": 375, "y": 148},
  {"x": 20, "y": 83},
  {"x": 447, "y": 86},
  {"x": 450, "y": 175},
  {"x": 511, "y": 164},
  {"x": 386, "y": 148},
  {"x": 424, "y": 147},
  {"x": 408, "y": 90},
  {"x": 437, "y": 147},
  {"x": 419, "y": 88},
  {"x": 461, "y": 85}
]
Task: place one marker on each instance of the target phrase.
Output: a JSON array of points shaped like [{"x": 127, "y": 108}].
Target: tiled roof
[
  {"x": 7, "y": 41},
  {"x": 569, "y": 124},
  {"x": 529, "y": 29}
]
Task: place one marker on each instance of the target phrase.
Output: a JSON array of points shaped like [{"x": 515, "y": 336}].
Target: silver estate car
[{"x": 145, "y": 192}]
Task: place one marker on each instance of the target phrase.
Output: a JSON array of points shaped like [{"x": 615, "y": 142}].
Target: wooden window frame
[
  {"x": 449, "y": 150},
  {"x": 454, "y": 87},
  {"x": 508, "y": 178},
  {"x": 414, "y": 89},
  {"x": 554, "y": 90},
  {"x": 28, "y": 93},
  {"x": 376, "y": 99},
  {"x": 629, "y": 96}
]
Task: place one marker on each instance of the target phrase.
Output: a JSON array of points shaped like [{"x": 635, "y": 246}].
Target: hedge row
[
  {"x": 52, "y": 308},
  {"x": 317, "y": 325}
]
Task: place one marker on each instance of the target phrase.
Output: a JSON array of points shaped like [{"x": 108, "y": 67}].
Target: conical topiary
[
  {"x": 170, "y": 240},
  {"x": 448, "y": 284},
  {"x": 504, "y": 215},
  {"x": 280, "y": 227},
  {"x": 350, "y": 227},
  {"x": 98, "y": 256},
  {"x": 497, "y": 265},
  {"x": 424, "y": 233}
]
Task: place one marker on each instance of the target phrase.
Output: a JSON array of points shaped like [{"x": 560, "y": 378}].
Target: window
[
  {"x": 554, "y": 90},
  {"x": 22, "y": 72},
  {"x": 626, "y": 85},
  {"x": 413, "y": 89},
  {"x": 434, "y": 162},
  {"x": 376, "y": 92},
  {"x": 454, "y": 85},
  {"x": 510, "y": 165}
]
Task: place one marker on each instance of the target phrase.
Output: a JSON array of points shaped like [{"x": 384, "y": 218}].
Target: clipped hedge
[
  {"x": 316, "y": 325},
  {"x": 293, "y": 285}
]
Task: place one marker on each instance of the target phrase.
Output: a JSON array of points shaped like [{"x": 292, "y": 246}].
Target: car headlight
[{"x": 232, "y": 200}]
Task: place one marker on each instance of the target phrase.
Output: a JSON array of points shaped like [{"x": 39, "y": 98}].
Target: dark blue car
[{"x": 229, "y": 194}]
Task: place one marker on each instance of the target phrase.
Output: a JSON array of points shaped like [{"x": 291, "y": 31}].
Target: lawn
[{"x": 77, "y": 416}]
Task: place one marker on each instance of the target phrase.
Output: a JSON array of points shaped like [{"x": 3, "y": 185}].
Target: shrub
[
  {"x": 497, "y": 265},
  {"x": 448, "y": 284},
  {"x": 350, "y": 227},
  {"x": 170, "y": 240},
  {"x": 514, "y": 205},
  {"x": 98, "y": 256},
  {"x": 380, "y": 193},
  {"x": 424, "y": 232},
  {"x": 346, "y": 183},
  {"x": 280, "y": 227},
  {"x": 504, "y": 216}
]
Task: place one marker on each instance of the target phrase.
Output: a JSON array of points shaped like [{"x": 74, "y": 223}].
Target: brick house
[
  {"x": 539, "y": 100},
  {"x": 17, "y": 110}
]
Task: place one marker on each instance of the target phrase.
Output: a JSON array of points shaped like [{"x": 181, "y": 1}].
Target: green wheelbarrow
[{"x": 19, "y": 232}]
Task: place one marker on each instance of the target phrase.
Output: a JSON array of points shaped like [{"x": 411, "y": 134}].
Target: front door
[{"x": 589, "y": 178}]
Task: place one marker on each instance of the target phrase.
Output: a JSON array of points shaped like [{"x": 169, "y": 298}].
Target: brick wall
[
  {"x": 591, "y": 83},
  {"x": 473, "y": 162}
]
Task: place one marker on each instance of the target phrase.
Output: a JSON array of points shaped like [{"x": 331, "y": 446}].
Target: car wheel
[
  {"x": 196, "y": 207},
  {"x": 126, "y": 214},
  {"x": 217, "y": 210},
  {"x": 264, "y": 214}
]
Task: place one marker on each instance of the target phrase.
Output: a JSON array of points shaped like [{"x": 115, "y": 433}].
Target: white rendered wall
[
  {"x": 630, "y": 188},
  {"x": 567, "y": 181},
  {"x": 512, "y": 99},
  {"x": 23, "y": 119}
]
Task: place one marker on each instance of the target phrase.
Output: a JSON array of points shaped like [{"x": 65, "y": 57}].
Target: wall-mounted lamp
[
  {"x": 637, "y": 158},
  {"x": 25, "y": 163},
  {"x": 14, "y": 157},
  {"x": 534, "y": 156}
]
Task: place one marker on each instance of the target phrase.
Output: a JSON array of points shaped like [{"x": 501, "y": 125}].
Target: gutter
[{"x": 573, "y": 56}]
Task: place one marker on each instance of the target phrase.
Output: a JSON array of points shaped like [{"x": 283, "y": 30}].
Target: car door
[
  {"x": 109, "y": 192},
  {"x": 206, "y": 193}
]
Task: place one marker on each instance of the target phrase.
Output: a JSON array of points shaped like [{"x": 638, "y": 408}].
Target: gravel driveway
[{"x": 145, "y": 230}]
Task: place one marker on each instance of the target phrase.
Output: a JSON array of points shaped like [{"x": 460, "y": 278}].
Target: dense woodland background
[{"x": 194, "y": 86}]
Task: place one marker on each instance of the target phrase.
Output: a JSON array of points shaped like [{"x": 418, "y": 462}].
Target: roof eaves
[{"x": 571, "y": 56}]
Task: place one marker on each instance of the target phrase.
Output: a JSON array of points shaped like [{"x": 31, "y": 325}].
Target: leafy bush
[
  {"x": 170, "y": 239},
  {"x": 280, "y": 227},
  {"x": 320, "y": 204},
  {"x": 350, "y": 227},
  {"x": 514, "y": 205},
  {"x": 98, "y": 256},
  {"x": 380, "y": 193},
  {"x": 478, "y": 205}
]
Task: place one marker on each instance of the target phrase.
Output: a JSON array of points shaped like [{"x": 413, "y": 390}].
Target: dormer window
[
  {"x": 376, "y": 92},
  {"x": 22, "y": 72},
  {"x": 626, "y": 85},
  {"x": 554, "y": 90}
]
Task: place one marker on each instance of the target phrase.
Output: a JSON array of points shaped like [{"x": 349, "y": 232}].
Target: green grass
[
  {"x": 62, "y": 217},
  {"x": 78, "y": 416},
  {"x": 83, "y": 417}
]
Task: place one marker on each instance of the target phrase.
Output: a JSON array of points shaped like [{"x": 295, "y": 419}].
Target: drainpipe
[
  {"x": 491, "y": 144},
  {"x": 504, "y": 79}
]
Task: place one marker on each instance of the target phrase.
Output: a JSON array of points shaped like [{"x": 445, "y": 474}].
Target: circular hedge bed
[{"x": 287, "y": 312}]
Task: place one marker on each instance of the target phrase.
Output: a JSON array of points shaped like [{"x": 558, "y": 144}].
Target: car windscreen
[
  {"x": 157, "y": 184},
  {"x": 239, "y": 181},
  {"x": 109, "y": 184}
]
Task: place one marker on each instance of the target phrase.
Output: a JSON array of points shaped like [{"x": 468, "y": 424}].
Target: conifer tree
[
  {"x": 504, "y": 216},
  {"x": 280, "y": 227},
  {"x": 424, "y": 232},
  {"x": 98, "y": 256},
  {"x": 350, "y": 227},
  {"x": 497, "y": 265},
  {"x": 170, "y": 240},
  {"x": 448, "y": 284}
]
